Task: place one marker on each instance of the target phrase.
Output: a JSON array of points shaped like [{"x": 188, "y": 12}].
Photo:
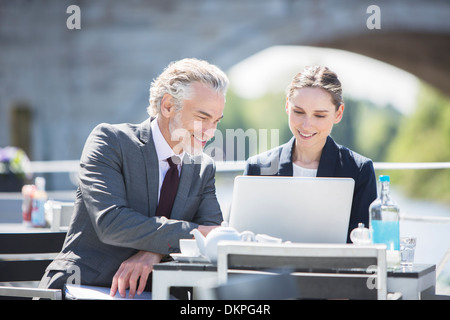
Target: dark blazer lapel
[
  {"x": 151, "y": 164},
  {"x": 186, "y": 175},
  {"x": 328, "y": 159},
  {"x": 285, "y": 165}
]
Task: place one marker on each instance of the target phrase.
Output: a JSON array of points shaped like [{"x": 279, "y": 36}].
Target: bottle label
[{"x": 387, "y": 232}]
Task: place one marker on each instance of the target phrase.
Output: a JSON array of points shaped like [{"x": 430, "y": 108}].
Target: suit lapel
[
  {"x": 151, "y": 165},
  {"x": 152, "y": 171},
  {"x": 328, "y": 159},
  {"x": 327, "y": 162},
  {"x": 285, "y": 165}
]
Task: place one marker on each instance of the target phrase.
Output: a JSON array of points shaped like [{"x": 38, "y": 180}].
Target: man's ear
[{"x": 167, "y": 105}]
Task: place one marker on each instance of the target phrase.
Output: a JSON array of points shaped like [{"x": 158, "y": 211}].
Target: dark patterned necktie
[{"x": 168, "y": 190}]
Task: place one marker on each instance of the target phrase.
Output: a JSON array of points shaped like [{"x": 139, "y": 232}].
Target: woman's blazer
[{"x": 335, "y": 161}]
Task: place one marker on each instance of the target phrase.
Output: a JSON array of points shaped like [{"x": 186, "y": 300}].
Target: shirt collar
[{"x": 163, "y": 150}]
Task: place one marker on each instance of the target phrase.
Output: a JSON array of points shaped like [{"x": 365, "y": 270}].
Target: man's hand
[{"x": 137, "y": 266}]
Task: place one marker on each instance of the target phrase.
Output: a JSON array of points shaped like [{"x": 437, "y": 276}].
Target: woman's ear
[{"x": 339, "y": 114}]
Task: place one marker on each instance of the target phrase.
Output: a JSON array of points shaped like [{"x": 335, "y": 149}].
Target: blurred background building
[{"x": 56, "y": 84}]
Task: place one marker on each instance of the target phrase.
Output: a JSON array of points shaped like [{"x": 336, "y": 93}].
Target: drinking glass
[{"x": 407, "y": 248}]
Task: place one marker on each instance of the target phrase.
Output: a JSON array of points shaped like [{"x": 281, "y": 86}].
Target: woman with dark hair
[{"x": 314, "y": 104}]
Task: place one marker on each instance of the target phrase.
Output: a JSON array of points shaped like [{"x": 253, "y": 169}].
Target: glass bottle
[
  {"x": 39, "y": 198},
  {"x": 385, "y": 223}
]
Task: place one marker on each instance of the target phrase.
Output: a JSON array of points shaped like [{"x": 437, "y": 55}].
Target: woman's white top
[{"x": 303, "y": 172}]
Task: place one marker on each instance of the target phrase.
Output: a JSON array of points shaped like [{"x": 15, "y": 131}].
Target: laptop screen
[{"x": 296, "y": 209}]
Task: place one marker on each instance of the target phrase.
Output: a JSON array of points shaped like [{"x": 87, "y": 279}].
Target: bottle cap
[
  {"x": 40, "y": 183},
  {"x": 384, "y": 179}
]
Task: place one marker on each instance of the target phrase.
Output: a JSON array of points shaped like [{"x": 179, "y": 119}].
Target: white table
[
  {"x": 411, "y": 282},
  {"x": 175, "y": 274}
]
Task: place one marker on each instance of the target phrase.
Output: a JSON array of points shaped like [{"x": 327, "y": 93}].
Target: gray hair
[{"x": 176, "y": 79}]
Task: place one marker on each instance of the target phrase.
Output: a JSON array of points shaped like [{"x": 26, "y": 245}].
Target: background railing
[{"x": 72, "y": 166}]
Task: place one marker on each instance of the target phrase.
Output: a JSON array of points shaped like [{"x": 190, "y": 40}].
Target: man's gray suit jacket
[{"x": 114, "y": 214}]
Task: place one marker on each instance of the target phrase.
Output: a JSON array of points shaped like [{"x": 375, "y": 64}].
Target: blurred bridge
[{"x": 71, "y": 80}]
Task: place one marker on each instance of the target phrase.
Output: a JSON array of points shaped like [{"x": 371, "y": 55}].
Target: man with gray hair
[{"x": 127, "y": 214}]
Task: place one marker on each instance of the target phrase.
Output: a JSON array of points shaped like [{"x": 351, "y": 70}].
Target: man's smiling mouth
[{"x": 200, "y": 140}]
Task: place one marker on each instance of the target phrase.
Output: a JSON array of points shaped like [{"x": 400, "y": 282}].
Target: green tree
[
  {"x": 253, "y": 117},
  {"x": 367, "y": 128},
  {"x": 424, "y": 137}
]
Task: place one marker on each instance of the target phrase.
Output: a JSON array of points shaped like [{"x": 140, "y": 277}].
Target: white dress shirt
[{"x": 163, "y": 151}]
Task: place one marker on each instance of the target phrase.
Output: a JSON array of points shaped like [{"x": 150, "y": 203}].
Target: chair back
[
  {"x": 24, "y": 256},
  {"x": 273, "y": 285},
  {"x": 60, "y": 213},
  {"x": 323, "y": 271}
]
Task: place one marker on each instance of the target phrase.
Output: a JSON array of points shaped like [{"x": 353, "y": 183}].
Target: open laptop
[{"x": 308, "y": 210}]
